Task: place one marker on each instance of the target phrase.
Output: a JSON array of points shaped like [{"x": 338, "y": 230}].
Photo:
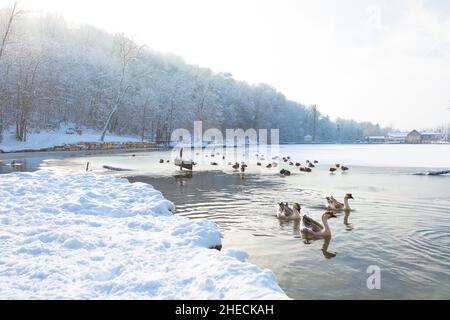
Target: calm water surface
[{"x": 399, "y": 222}]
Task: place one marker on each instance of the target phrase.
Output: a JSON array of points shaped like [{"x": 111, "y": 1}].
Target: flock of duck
[{"x": 309, "y": 227}]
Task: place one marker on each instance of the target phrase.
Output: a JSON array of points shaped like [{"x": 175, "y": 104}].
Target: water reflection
[
  {"x": 20, "y": 165},
  {"x": 349, "y": 226}
]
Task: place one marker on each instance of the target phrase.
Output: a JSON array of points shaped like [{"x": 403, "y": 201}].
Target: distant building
[
  {"x": 396, "y": 137},
  {"x": 376, "y": 139},
  {"x": 308, "y": 138},
  {"x": 429, "y": 137},
  {"x": 414, "y": 137}
]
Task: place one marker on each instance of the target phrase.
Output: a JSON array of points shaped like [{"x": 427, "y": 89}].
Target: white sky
[{"x": 385, "y": 61}]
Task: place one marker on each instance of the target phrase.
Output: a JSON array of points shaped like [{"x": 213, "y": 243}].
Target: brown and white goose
[
  {"x": 313, "y": 229},
  {"x": 333, "y": 204}
]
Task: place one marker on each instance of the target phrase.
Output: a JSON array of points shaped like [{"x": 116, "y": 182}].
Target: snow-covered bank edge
[
  {"x": 84, "y": 236},
  {"x": 49, "y": 139}
]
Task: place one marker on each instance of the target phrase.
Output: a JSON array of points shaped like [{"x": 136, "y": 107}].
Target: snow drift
[{"x": 84, "y": 236}]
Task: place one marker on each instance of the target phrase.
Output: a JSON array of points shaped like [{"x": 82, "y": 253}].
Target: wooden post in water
[
  {"x": 181, "y": 159},
  {"x": 87, "y": 166}
]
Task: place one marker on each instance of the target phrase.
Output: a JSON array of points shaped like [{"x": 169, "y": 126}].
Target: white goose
[{"x": 311, "y": 228}]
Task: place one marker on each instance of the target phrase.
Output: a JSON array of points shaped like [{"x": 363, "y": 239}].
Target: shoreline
[{"x": 115, "y": 239}]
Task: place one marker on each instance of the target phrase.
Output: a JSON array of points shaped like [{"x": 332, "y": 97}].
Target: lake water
[{"x": 400, "y": 222}]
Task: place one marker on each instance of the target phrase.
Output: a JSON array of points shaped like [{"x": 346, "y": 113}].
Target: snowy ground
[
  {"x": 59, "y": 137},
  {"x": 83, "y": 236}
]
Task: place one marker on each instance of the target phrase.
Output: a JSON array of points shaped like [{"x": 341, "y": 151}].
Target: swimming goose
[
  {"x": 336, "y": 205},
  {"x": 312, "y": 228},
  {"x": 286, "y": 213}
]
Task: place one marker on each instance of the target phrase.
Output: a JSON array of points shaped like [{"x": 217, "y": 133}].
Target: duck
[
  {"x": 313, "y": 229},
  {"x": 286, "y": 213},
  {"x": 333, "y": 204},
  {"x": 161, "y": 160},
  {"x": 291, "y": 163},
  {"x": 285, "y": 172},
  {"x": 236, "y": 166},
  {"x": 243, "y": 168},
  {"x": 269, "y": 166},
  {"x": 311, "y": 165},
  {"x": 332, "y": 170},
  {"x": 259, "y": 164},
  {"x": 214, "y": 164},
  {"x": 338, "y": 165},
  {"x": 344, "y": 168},
  {"x": 298, "y": 164},
  {"x": 316, "y": 162}
]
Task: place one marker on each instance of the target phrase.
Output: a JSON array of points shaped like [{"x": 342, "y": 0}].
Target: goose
[
  {"x": 312, "y": 228},
  {"x": 336, "y": 205},
  {"x": 286, "y": 213}
]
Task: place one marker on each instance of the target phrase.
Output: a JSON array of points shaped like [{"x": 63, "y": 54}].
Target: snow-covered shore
[
  {"x": 84, "y": 236},
  {"x": 48, "y": 139}
]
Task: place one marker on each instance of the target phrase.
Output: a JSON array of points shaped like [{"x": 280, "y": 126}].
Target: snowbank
[
  {"x": 83, "y": 236},
  {"x": 56, "y": 138}
]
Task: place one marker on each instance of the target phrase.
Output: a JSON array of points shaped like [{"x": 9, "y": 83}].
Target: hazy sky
[{"x": 386, "y": 61}]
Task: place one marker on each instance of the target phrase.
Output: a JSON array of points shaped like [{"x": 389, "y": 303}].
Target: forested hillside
[{"x": 53, "y": 73}]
